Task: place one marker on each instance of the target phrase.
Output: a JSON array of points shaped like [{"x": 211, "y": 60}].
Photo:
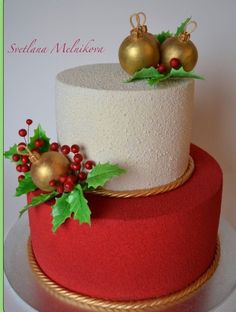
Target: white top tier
[{"x": 146, "y": 130}]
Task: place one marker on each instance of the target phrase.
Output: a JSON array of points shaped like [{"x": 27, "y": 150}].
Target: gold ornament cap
[
  {"x": 140, "y": 49},
  {"x": 138, "y": 29},
  {"x": 186, "y": 34},
  {"x": 33, "y": 156}
]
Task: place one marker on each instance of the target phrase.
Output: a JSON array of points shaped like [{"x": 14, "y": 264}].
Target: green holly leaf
[
  {"x": 102, "y": 173},
  {"x": 39, "y": 133},
  {"x": 38, "y": 200},
  {"x": 79, "y": 205},
  {"x": 153, "y": 81},
  {"x": 146, "y": 73},
  {"x": 151, "y": 74},
  {"x": 60, "y": 211},
  {"x": 12, "y": 150},
  {"x": 181, "y": 73},
  {"x": 163, "y": 36},
  {"x": 182, "y": 26},
  {"x": 154, "y": 77},
  {"x": 26, "y": 185}
]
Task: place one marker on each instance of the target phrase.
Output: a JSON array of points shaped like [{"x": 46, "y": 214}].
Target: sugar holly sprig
[
  {"x": 72, "y": 201},
  {"x": 75, "y": 202},
  {"x": 156, "y": 75},
  {"x": 66, "y": 182}
]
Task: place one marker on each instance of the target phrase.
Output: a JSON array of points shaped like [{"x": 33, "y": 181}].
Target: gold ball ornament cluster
[
  {"x": 46, "y": 167},
  {"x": 181, "y": 48},
  {"x": 140, "y": 49}
]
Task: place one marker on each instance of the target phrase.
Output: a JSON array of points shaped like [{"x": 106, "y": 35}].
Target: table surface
[{"x": 226, "y": 276}]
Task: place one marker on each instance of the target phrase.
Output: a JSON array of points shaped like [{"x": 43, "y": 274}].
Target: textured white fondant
[{"x": 146, "y": 130}]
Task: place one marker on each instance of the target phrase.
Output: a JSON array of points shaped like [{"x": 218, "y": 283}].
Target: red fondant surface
[{"x": 136, "y": 248}]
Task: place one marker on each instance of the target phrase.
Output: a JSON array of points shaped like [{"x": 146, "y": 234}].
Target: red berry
[
  {"x": 19, "y": 168},
  {"x": 175, "y": 63},
  {"x": 75, "y": 166},
  {"x": 25, "y": 168},
  {"x": 52, "y": 183},
  {"x": 39, "y": 143},
  {"x": 62, "y": 179},
  {"x": 21, "y": 177},
  {"x": 21, "y": 144},
  {"x": 82, "y": 175},
  {"x": 89, "y": 164},
  {"x": 71, "y": 179},
  {"x": 22, "y": 132},
  {"x": 60, "y": 189},
  {"x": 65, "y": 149},
  {"x": 29, "y": 122},
  {"x": 68, "y": 186},
  {"x": 15, "y": 157},
  {"x": 161, "y": 68},
  {"x": 75, "y": 148},
  {"x": 24, "y": 159},
  {"x": 54, "y": 146},
  {"x": 78, "y": 158}
]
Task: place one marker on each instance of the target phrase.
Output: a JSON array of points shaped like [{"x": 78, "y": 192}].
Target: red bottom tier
[{"x": 136, "y": 248}]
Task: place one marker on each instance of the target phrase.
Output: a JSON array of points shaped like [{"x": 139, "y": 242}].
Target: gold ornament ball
[
  {"x": 49, "y": 166},
  {"x": 185, "y": 51},
  {"x": 137, "y": 52}
]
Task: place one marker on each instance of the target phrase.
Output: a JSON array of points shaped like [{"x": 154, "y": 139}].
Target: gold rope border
[
  {"x": 151, "y": 191},
  {"x": 93, "y": 304}
]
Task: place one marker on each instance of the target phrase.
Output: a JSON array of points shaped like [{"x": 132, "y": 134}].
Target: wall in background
[{"x": 30, "y": 78}]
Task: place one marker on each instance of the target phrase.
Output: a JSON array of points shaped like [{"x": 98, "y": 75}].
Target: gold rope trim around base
[
  {"x": 151, "y": 191},
  {"x": 93, "y": 304}
]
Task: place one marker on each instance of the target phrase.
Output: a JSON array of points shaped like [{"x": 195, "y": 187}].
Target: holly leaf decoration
[
  {"x": 38, "y": 200},
  {"x": 154, "y": 77},
  {"x": 181, "y": 73},
  {"x": 79, "y": 205},
  {"x": 151, "y": 74},
  {"x": 60, "y": 211},
  {"x": 26, "y": 185},
  {"x": 12, "y": 150},
  {"x": 146, "y": 73},
  {"x": 73, "y": 202},
  {"x": 163, "y": 36},
  {"x": 182, "y": 26},
  {"x": 153, "y": 81},
  {"x": 39, "y": 133},
  {"x": 102, "y": 173}
]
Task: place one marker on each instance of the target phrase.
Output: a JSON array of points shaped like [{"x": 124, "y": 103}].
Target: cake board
[{"x": 23, "y": 281}]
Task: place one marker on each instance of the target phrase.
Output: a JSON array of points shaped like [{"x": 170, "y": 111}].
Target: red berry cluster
[
  {"x": 78, "y": 168},
  {"x": 78, "y": 165},
  {"x": 23, "y": 163},
  {"x": 174, "y": 63}
]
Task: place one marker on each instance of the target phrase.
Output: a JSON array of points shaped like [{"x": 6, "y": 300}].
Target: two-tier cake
[
  {"x": 123, "y": 209},
  {"x": 154, "y": 229}
]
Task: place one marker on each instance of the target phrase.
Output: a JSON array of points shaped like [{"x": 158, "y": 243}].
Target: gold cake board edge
[{"x": 94, "y": 304}]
